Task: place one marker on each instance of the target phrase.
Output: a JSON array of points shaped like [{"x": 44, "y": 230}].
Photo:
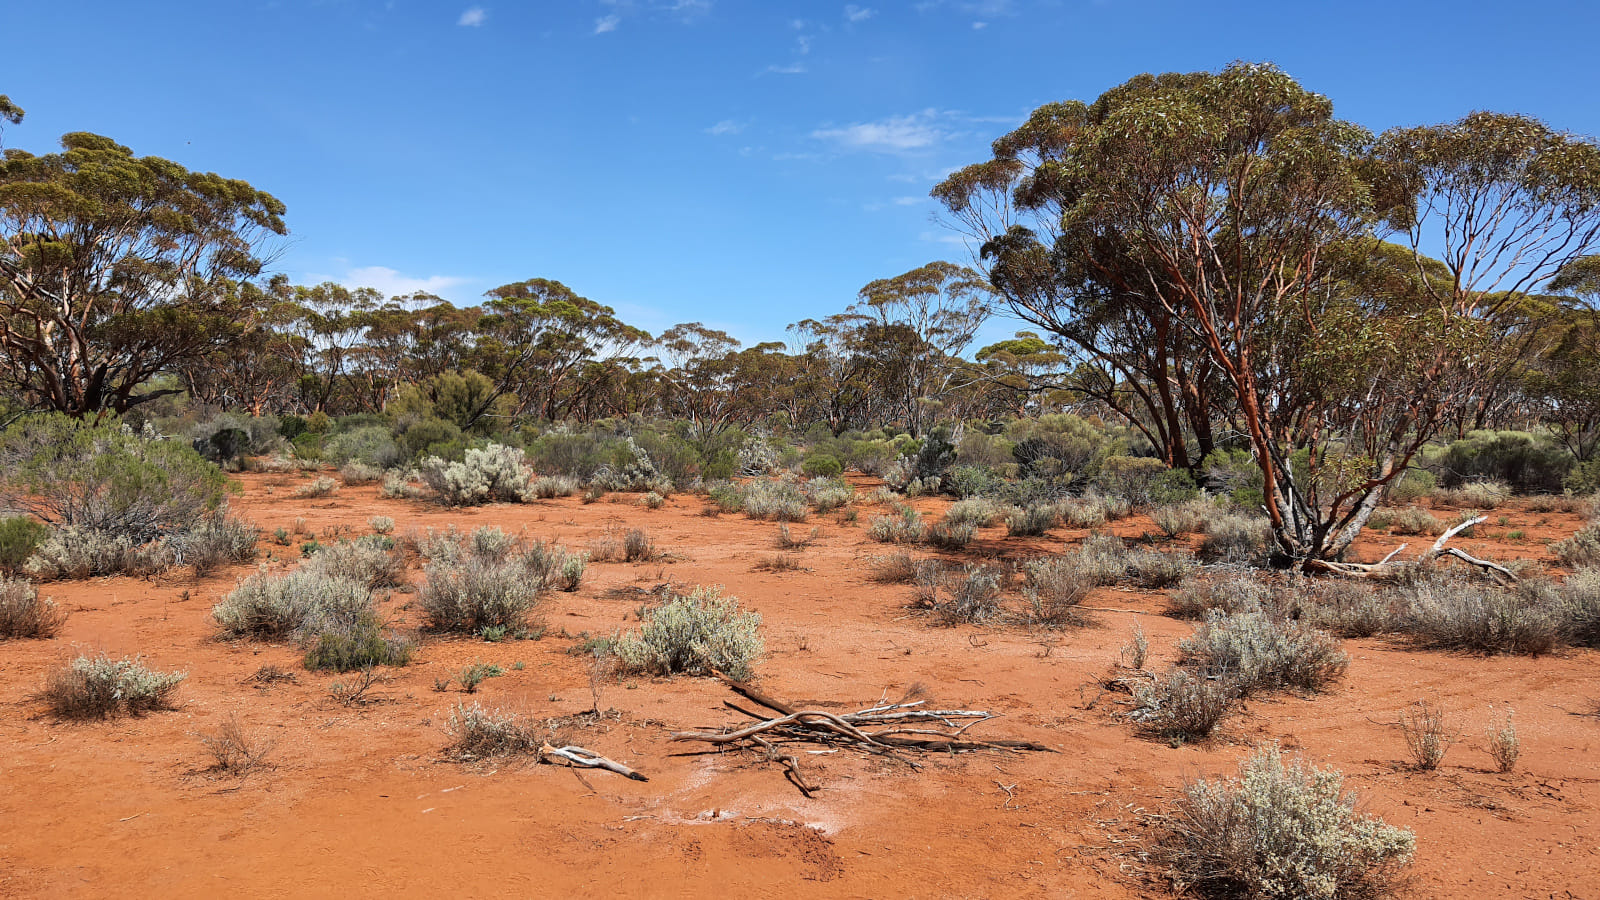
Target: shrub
[
  {"x": 1130, "y": 478},
  {"x": 1259, "y": 653},
  {"x": 1582, "y": 549},
  {"x": 358, "y": 473},
  {"x": 1412, "y": 486},
  {"x": 1179, "y": 519},
  {"x": 477, "y": 733},
  {"x": 216, "y": 541},
  {"x": 1477, "y": 494},
  {"x": 19, "y": 537},
  {"x": 1153, "y": 569},
  {"x": 634, "y": 473},
  {"x": 1580, "y": 606},
  {"x": 494, "y": 473},
  {"x": 1456, "y": 614},
  {"x": 952, "y": 535},
  {"x": 1279, "y": 831},
  {"x": 787, "y": 540},
  {"x": 1182, "y": 707},
  {"x": 24, "y": 614},
  {"x": 101, "y": 687},
  {"x": 1503, "y": 744},
  {"x": 979, "y": 511},
  {"x": 821, "y": 465},
  {"x": 233, "y": 750},
  {"x": 549, "y": 487},
  {"x": 380, "y": 524},
  {"x": 695, "y": 633},
  {"x": 1428, "y": 733},
  {"x": 725, "y": 497},
  {"x": 348, "y": 646},
  {"x": 477, "y": 592},
  {"x": 322, "y": 486},
  {"x": 896, "y": 568},
  {"x": 1584, "y": 477},
  {"x": 476, "y": 674},
  {"x": 106, "y": 478},
  {"x": 1030, "y": 522},
  {"x": 557, "y": 568},
  {"x": 1528, "y": 463},
  {"x": 652, "y": 500},
  {"x": 827, "y": 494},
  {"x": 1054, "y": 590},
  {"x": 904, "y": 528},
  {"x": 778, "y": 500},
  {"x": 73, "y": 552},
  {"x": 373, "y": 561},
  {"x": 637, "y": 546},
  {"x": 1233, "y": 538},
  {"x": 280, "y": 606},
  {"x": 1348, "y": 610},
  {"x": 971, "y": 597},
  {"x": 1196, "y": 597},
  {"x": 397, "y": 486},
  {"x": 1102, "y": 558}
]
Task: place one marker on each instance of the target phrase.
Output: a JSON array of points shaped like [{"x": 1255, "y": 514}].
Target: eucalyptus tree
[
  {"x": 1237, "y": 208},
  {"x": 926, "y": 317},
  {"x": 115, "y": 268}
]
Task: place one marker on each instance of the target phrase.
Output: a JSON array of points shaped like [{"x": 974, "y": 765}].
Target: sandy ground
[{"x": 360, "y": 801}]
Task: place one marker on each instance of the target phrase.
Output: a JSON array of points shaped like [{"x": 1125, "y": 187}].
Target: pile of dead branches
[{"x": 889, "y": 730}]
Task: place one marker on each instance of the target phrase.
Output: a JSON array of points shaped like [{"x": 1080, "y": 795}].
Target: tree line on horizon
[{"x": 1211, "y": 259}]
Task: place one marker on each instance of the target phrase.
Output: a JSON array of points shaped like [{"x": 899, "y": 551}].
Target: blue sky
[{"x": 745, "y": 164}]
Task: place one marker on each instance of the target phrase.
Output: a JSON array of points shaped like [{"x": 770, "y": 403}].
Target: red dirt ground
[{"x": 361, "y": 802}]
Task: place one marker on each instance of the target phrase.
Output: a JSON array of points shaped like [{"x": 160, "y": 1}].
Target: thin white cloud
[
  {"x": 854, "y": 13},
  {"x": 390, "y": 282},
  {"x": 606, "y": 24},
  {"x": 791, "y": 69},
  {"x": 473, "y": 17},
  {"x": 896, "y": 134},
  {"x": 979, "y": 26},
  {"x": 726, "y": 126},
  {"x": 803, "y": 44}
]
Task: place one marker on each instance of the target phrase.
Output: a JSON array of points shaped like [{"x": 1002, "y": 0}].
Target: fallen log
[
  {"x": 1384, "y": 569},
  {"x": 588, "y": 759},
  {"x": 879, "y": 730}
]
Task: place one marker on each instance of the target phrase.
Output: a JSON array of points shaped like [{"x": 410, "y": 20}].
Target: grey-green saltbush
[
  {"x": 493, "y": 473},
  {"x": 302, "y": 602},
  {"x": 477, "y": 592},
  {"x": 25, "y": 614},
  {"x": 1279, "y": 831},
  {"x": 695, "y": 633},
  {"x": 1260, "y": 653},
  {"x": 102, "y": 687}
]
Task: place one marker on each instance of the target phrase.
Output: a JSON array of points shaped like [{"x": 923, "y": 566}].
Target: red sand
[{"x": 360, "y": 802}]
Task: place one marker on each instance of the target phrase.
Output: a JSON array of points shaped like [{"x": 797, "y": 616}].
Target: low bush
[
  {"x": 1181, "y": 706},
  {"x": 652, "y": 500},
  {"x": 821, "y": 465},
  {"x": 558, "y": 568},
  {"x": 1179, "y": 519},
  {"x": 951, "y": 535},
  {"x": 1154, "y": 569},
  {"x": 1131, "y": 479},
  {"x": 979, "y": 511},
  {"x": 906, "y": 527},
  {"x": 482, "y": 591},
  {"x": 1102, "y": 558},
  {"x": 1261, "y": 653},
  {"x": 1582, "y": 549},
  {"x": 1454, "y": 613},
  {"x": 217, "y": 541},
  {"x": 348, "y": 646},
  {"x": 549, "y": 487},
  {"x": 1415, "y": 520},
  {"x": 19, "y": 537},
  {"x": 828, "y": 494},
  {"x": 1283, "y": 831},
  {"x": 1233, "y": 538},
  {"x": 1195, "y": 597},
  {"x": 1054, "y": 590},
  {"x": 233, "y": 750},
  {"x": 358, "y": 473},
  {"x": 90, "y": 687},
  {"x": 282, "y": 606},
  {"x": 971, "y": 596},
  {"x": 381, "y": 524},
  {"x": 1031, "y": 522},
  {"x": 896, "y": 568},
  {"x": 373, "y": 561},
  {"x": 494, "y": 473},
  {"x": 397, "y": 486},
  {"x": 780, "y": 501},
  {"x": 695, "y": 633},
  {"x": 321, "y": 486},
  {"x": 25, "y": 614},
  {"x": 477, "y": 733},
  {"x": 1428, "y": 733}
]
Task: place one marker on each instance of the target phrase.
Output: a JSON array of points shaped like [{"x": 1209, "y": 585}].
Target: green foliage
[
  {"x": 695, "y": 633},
  {"x": 1279, "y": 831},
  {"x": 476, "y": 674},
  {"x": 92, "y": 687},
  {"x": 106, "y": 478},
  {"x": 1527, "y": 463},
  {"x": 821, "y": 465},
  {"x": 1132, "y": 479},
  {"x": 357, "y": 645},
  {"x": 1584, "y": 477},
  {"x": 19, "y": 537}
]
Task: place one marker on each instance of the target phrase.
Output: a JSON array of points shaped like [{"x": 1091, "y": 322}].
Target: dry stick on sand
[
  {"x": 588, "y": 759},
  {"x": 881, "y": 730},
  {"x": 1381, "y": 569}
]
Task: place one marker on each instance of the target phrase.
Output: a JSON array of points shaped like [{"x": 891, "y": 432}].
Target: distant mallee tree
[
  {"x": 116, "y": 267},
  {"x": 1231, "y": 218}
]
